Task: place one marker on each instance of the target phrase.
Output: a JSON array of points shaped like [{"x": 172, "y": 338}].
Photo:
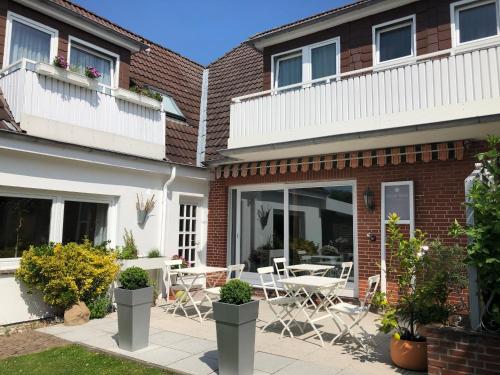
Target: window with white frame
[
  {"x": 394, "y": 40},
  {"x": 311, "y": 62},
  {"x": 475, "y": 20},
  {"x": 28, "y": 39},
  {"x": 83, "y": 55}
]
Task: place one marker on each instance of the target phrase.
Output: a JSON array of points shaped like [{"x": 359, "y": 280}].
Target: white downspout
[{"x": 164, "y": 210}]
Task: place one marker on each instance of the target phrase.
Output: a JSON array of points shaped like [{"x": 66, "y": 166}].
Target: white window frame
[
  {"x": 389, "y": 26},
  {"x": 11, "y": 16},
  {"x": 305, "y": 52},
  {"x": 384, "y": 221},
  {"x": 455, "y": 9},
  {"x": 99, "y": 52},
  {"x": 253, "y": 277}
]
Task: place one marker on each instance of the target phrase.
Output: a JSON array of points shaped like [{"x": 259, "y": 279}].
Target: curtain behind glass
[
  {"x": 395, "y": 43},
  {"x": 324, "y": 61},
  {"x": 82, "y": 59},
  {"x": 479, "y": 22},
  {"x": 289, "y": 71},
  {"x": 28, "y": 42}
]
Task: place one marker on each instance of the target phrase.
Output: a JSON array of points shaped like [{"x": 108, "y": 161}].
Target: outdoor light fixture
[{"x": 369, "y": 197}]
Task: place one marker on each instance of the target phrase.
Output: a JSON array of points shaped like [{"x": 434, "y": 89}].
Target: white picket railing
[
  {"x": 99, "y": 114},
  {"x": 426, "y": 91}
]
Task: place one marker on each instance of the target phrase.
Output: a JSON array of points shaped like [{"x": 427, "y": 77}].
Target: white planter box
[
  {"x": 136, "y": 98},
  {"x": 65, "y": 75}
]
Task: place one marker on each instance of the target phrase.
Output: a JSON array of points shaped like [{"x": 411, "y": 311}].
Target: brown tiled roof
[
  {"x": 312, "y": 18},
  {"x": 7, "y": 121},
  {"x": 238, "y": 72},
  {"x": 181, "y": 78}
]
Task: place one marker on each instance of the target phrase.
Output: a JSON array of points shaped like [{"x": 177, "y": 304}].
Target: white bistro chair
[
  {"x": 280, "y": 306},
  {"x": 355, "y": 312},
  {"x": 212, "y": 294},
  {"x": 344, "y": 275}
]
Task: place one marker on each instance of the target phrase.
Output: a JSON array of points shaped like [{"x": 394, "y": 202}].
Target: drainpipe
[{"x": 164, "y": 209}]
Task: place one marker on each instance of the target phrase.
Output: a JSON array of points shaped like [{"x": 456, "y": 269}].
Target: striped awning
[{"x": 355, "y": 159}]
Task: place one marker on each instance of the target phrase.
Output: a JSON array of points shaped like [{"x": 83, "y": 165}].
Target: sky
[{"x": 204, "y": 30}]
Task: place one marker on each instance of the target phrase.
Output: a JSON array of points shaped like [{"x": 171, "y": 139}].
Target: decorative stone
[{"x": 77, "y": 314}]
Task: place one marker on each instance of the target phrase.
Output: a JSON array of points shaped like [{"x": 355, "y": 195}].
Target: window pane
[
  {"x": 395, "y": 43},
  {"x": 261, "y": 237},
  {"x": 85, "y": 220},
  {"x": 24, "y": 222},
  {"x": 321, "y": 226},
  {"x": 81, "y": 59},
  {"x": 397, "y": 200},
  {"x": 289, "y": 71},
  {"x": 170, "y": 106},
  {"x": 478, "y": 22},
  {"x": 324, "y": 61},
  {"x": 28, "y": 42}
]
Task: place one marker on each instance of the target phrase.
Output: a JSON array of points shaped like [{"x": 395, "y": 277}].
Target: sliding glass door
[{"x": 305, "y": 223}]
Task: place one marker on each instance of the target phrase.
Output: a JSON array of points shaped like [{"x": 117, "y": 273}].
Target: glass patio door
[{"x": 188, "y": 242}]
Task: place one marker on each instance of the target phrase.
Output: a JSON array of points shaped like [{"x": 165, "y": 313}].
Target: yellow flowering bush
[{"x": 67, "y": 274}]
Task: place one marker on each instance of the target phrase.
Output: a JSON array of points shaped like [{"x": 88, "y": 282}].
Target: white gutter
[{"x": 164, "y": 209}]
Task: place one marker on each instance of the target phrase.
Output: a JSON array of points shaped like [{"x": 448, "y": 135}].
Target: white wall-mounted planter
[
  {"x": 136, "y": 98},
  {"x": 66, "y": 76}
]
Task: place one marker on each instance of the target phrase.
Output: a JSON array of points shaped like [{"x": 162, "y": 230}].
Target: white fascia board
[
  {"x": 80, "y": 22},
  {"x": 331, "y": 21}
]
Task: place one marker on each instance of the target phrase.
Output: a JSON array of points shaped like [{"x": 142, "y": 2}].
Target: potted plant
[
  {"x": 133, "y": 300},
  {"x": 235, "y": 315},
  {"x": 426, "y": 274}
]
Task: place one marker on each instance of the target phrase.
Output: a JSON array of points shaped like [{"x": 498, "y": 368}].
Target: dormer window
[
  {"x": 83, "y": 54},
  {"x": 394, "y": 40},
  {"x": 29, "y": 40},
  {"x": 309, "y": 63},
  {"x": 170, "y": 106},
  {"x": 475, "y": 20}
]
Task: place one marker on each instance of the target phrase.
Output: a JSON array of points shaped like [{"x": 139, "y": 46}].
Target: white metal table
[
  {"x": 188, "y": 284},
  {"x": 325, "y": 288},
  {"x": 312, "y": 269}
]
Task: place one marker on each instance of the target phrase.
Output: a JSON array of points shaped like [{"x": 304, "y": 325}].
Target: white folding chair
[
  {"x": 344, "y": 275},
  {"x": 212, "y": 294},
  {"x": 281, "y": 306},
  {"x": 356, "y": 313},
  {"x": 281, "y": 270}
]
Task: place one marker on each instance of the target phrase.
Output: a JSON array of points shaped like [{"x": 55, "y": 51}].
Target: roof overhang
[
  {"x": 469, "y": 128},
  {"x": 58, "y": 12},
  {"x": 349, "y": 14}
]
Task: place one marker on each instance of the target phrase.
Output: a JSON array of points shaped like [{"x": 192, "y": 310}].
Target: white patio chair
[
  {"x": 344, "y": 275},
  {"x": 212, "y": 294},
  {"x": 356, "y": 313},
  {"x": 280, "y": 306},
  {"x": 280, "y": 265}
]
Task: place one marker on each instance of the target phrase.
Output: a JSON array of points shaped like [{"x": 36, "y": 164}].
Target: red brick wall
[
  {"x": 457, "y": 352},
  {"x": 438, "y": 190}
]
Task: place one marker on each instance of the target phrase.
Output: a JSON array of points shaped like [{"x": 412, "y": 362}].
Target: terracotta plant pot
[{"x": 410, "y": 355}]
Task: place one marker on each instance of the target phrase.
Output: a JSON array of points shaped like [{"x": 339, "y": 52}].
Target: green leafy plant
[
  {"x": 236, "y": 292},
  {"x": 67, "y": 274},
  {"x": 129, "y": 248},
  {"x": 483, "y": 249},
  {"x": 154, "y": 253},
  {"x": 379, "y": 301},
  {"x": 134, "y": 278},
  {"x": 99, "y": 307},
  {"x": 146, "y": 92}
]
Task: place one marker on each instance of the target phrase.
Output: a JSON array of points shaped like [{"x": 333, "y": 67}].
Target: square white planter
[
  {"x": 66, "y": 76},
  {"x": 133, "y": 97}
]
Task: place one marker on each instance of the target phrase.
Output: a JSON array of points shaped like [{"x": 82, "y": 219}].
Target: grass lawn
[{"x": 74, "y": 359}]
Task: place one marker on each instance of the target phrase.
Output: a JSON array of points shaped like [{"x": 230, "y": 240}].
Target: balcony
[
  {"x": 439, "y": 97},
  {"x": 60, "y": 105}
]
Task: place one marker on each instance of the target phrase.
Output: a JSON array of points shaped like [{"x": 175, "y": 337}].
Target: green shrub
[
  {"x": 134, "y": 278},
  {"x": 154, "y": 253},
  {"x": 379, "y": 301},
  {"x": 129, "y": 248},
  {"x": 236, "y": 292},
  {"x": 100, "y": 307},
  {"x": 67, "y": 274}
]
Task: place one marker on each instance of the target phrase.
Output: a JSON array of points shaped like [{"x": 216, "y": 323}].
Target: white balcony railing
[
  {"x": 430, "y": 90},
  {"x": 59, "y": 106}
]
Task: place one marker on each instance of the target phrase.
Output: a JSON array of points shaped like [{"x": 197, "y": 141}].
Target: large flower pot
[
  {"x": 236, "y": 336},
  {"x": 134, "y": 312},
  {"x": 410, "y": 355}
]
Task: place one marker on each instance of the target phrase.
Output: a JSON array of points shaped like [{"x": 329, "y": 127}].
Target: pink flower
[
  {"x": 92, "y": 72},
  {"x": 60, "y": 62}
]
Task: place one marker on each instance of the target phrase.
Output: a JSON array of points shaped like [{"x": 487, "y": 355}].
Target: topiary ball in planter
[
  {"x": 133, "y": 300},
  {"x": 236, "y": 292}
]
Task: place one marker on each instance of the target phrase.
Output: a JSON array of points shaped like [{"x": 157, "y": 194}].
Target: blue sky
[{"x": 203, "y": 30}]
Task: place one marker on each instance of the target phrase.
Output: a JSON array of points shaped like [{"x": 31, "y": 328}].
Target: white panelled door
[{"x": 188, "y": 225}]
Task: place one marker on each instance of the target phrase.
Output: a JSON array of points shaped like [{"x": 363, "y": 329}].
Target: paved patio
[{"x": 186, "y": 346}]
